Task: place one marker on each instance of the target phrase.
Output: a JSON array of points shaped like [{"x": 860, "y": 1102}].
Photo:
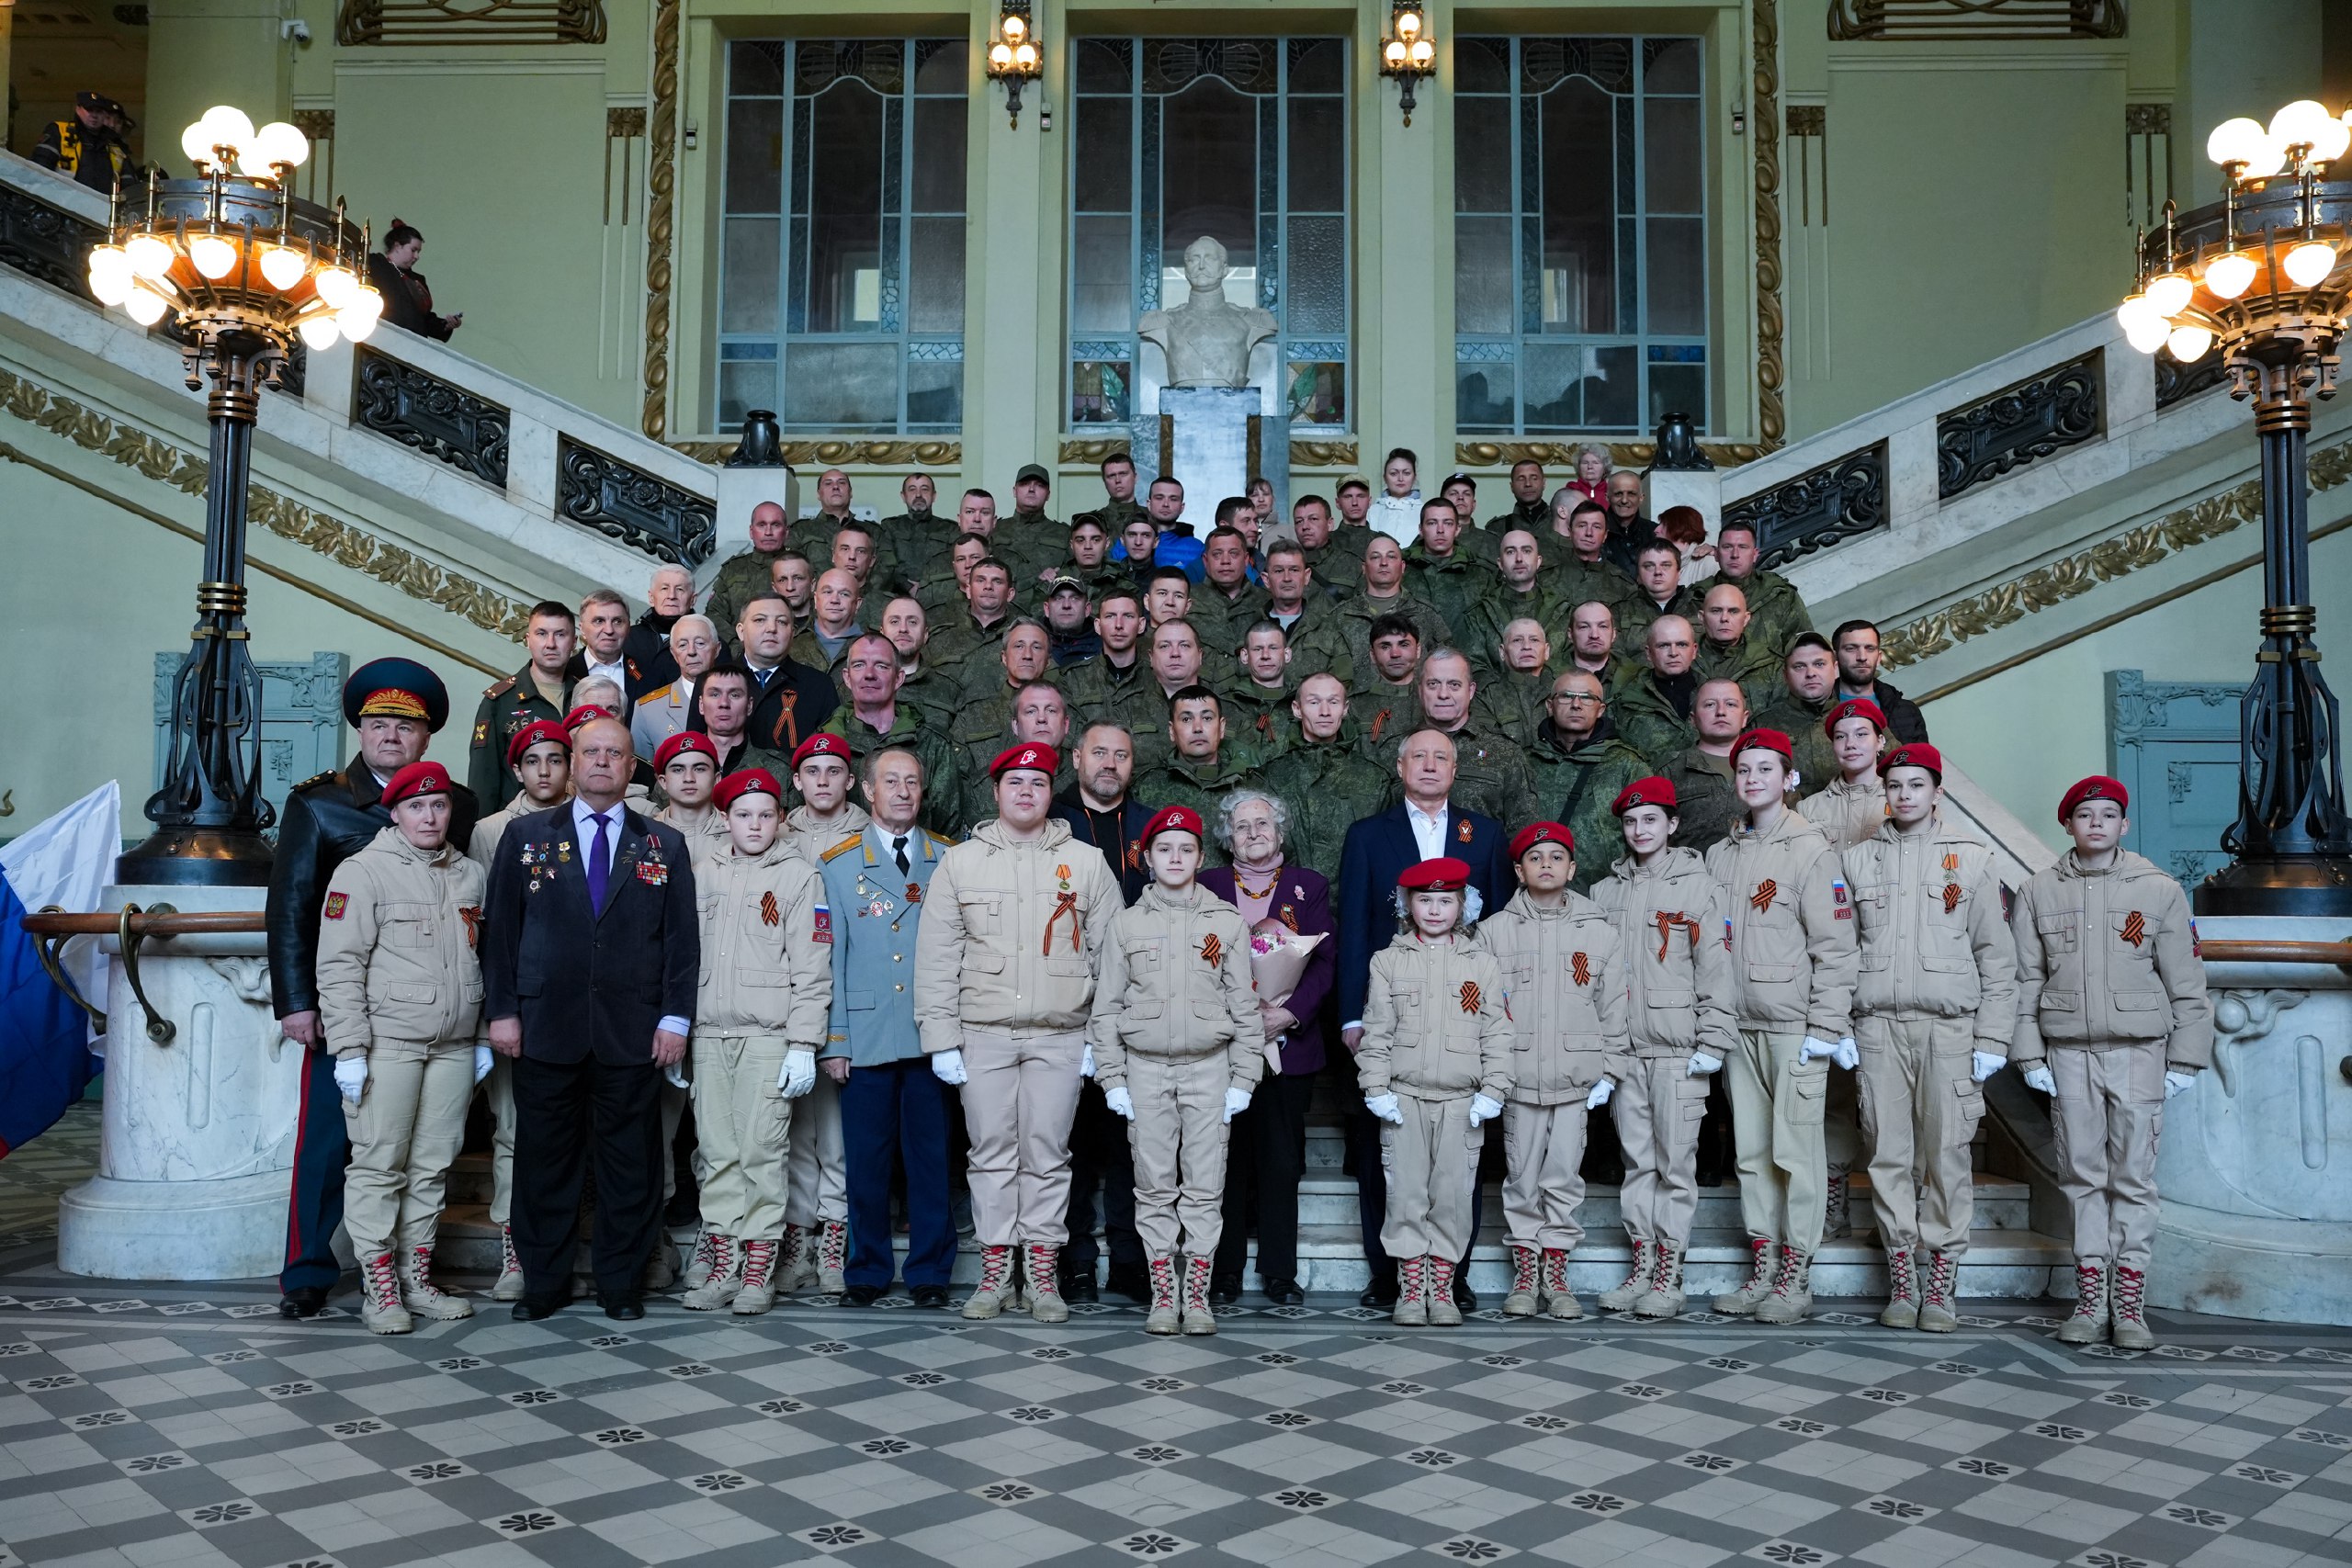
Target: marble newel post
[
  {"x": 198, "y": 1133},
  {"x": 2255, "y": 1162}
]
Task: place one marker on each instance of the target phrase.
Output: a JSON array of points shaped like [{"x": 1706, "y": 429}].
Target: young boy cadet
[
  {"x": 760, "y": 1017},
  {"x": 1435, "y": 1068},
  {"x": 688, "y": 765},
  {"x": 1669, "y": 911},
  {"x": 1178, "y": 1050},
  {"x": 816, "y": 1213},
  {"x": 1563, "y": 966},
  {"x": 1850, "y": 810},
  {"x": 400, "y": 995},
  {"x": 1935, "y": 1004},
  {"x": 2112, "y": 1021},
  {"x": 1789, "y": 926}
]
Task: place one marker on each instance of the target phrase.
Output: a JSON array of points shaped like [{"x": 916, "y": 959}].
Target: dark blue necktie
[{"x": 600, "y": 864}]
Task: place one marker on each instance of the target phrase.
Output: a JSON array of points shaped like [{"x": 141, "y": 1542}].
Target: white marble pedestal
[
  {"x": 1211, "y": 438},
  {"x": 197, "y": 1139},
  {"x": 2255, "y": 1162}
]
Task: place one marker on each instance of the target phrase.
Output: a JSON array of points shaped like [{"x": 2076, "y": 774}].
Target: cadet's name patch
[{"x": 336, "y": 904}]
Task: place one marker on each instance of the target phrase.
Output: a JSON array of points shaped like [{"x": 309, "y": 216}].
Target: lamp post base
[
  {"x": 206, "y": 857},
  {"x": 2304, "y": 887}
]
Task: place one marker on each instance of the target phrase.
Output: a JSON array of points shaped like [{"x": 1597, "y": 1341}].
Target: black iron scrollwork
[
  {"x": 1819, "y": 508},
  {"x": 42, "y": 242},
  {"x": 626, "y": 503},
  {"x": 435, "y": 417},
  {"x": 2033, "y": 419},
  {"x": 2176, "y": 382}
]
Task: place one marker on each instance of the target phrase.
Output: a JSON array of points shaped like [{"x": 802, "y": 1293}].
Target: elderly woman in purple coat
[{"x": 1267, "y": 1152}]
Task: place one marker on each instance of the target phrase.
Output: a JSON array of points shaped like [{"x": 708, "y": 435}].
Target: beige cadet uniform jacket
[
  {"x": 1009, "y": 939},
  {"x": 1789, "y": 924},
  {"x": 1934, "y": 944},
  {"x": 767, "y": 960},
  {"x": 1848, "y": 812},
  {"x": 808, "y": 838},
  {"x": 1563, "y": 988},
  {"x": 705, "y": 837},
  {"x": 1435, "y": 1026},
  {"x": 396, "y": 968},
  {"x": 483, "y": 848},
  {"x": 1176, "y": 986},
  {"x": 1670, "y": 917},
  {"x": 2107, "y": 958}
]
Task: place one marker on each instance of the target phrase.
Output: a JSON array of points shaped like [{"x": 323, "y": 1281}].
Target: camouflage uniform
[
  {"x": 1776, "y": 610},
  {"x": 1645, "y": 716},
  {"x": 506, "y": 709},
  {"x": 1329, "y": 785},
  {"x": 1703, "y": 783},
  {"x": 907, "y": 732},
  {"x": 1490, "y": 774},
  {"x": 1756, "y": 667},
  {"x": 1337, "y": 565},
  {"x": 1482, "y": 630},
  {"x": 1455, "y": 585},
  {"x": 1575, "y": 786},
  {"x": 1201, "y": 785},
  {"x": 738, "y": 577},
  {"x": 1512, "y": 702},
  {"x": 1319, "y": 641},
  {"x": 1638, "y": 613},
  {"x": 1380, "y": 713},
  {"x": 1815, "y": 762},
  {"x": 1357, "y": 615}
]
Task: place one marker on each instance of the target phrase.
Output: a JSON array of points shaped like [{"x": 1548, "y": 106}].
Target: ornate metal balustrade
[
  {"x": 421, "y": 411},
  {"x": 1819, "y": 508},
  {"x": 599, "y": 491},
  {"x": 2176, "y": 382},
  {"x": 2034, "y": 418},
  {"x": 43, "y": 241}
]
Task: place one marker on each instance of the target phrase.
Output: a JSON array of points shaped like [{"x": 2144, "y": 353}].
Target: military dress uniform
[
  {"x": 1935, "y": 1003},
  {"x": 1564, "y": 977},
  {"x": 2112, "y": 1000},
  {"x": 1679, "y": 1007},
  {"x": 505, "y": 708},
  {"x": 1789, "y": 927},
  {"x": 816, "y": 1233},
  {"x": 399, "y": 993}
]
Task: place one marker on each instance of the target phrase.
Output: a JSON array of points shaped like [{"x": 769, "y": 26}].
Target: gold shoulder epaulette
[
  {"x": 843, "y": 847},
  {"x": 501, "y": 689},
  {"x": 330, "y": 777},
  {"x": 944, "y": 843}
]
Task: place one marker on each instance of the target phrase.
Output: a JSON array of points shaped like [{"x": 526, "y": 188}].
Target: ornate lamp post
[
  {"x": 2263, "y": 274},
  {"x": 243, "y": 268},
  {"x": 1013, "y": 57},
  {"x": 1408, "y": 53}
]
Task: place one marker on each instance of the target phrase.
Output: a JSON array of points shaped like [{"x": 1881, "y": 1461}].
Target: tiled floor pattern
[
  {"x": 183, "y": 1426},
  {"x": 33, "y": 1178}
]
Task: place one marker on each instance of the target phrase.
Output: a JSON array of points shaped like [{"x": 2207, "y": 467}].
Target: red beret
[
  {"x": 1853, "y": 707},
  {"x": 583, "y": 713},
  {"x": 1183, "y": 818},
  {"x": 1916, "y": 754},
  {"x": 531, "y": 734},
  {"x": 2098, "y": 787},
  {"x": 1028, "y": 754},
  {"x": 1443, "y": 875},
  {"x": 1765, "y": 740},
  {"x": 1651, "y": 790},
  {"x": 417, "y": 778},
  {"x": 744, "y": 782},
  {"x": 685, "y": 740},
  {"x": 821, "y": 745},
  {"x": 1536, "y": 833}
]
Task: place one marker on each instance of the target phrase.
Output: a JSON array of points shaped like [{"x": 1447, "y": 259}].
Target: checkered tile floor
[{"x": 183, "y": 1426}]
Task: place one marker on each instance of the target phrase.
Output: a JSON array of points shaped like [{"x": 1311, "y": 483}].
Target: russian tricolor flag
[{"x": 45, "y": 1055}]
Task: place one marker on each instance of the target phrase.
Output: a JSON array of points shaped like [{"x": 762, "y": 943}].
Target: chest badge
[
  {"x": 1471, "y": 998},
  {"x": 1212, "y": 950},
  {"x": 1463, "y": 832},
  {"x": 769, "y": 914},
  {"x": 471, "y": 915},
  {"x": 2135, "y": 928},
  {"x": 1952, "y": 897},
  {"x": 1761, "y": 899},
  {"x": 1581, "y": 969},
  {"x": 336, "y": 904}
]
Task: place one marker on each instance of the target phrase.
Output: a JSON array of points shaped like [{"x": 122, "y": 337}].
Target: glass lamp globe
[
  {"x": 1423, "y": 52},
  {"x": 146, "y": 306},
  {"x": 1025, "y": 55},
  {"x": 2230, "y": 274},
  {"x": 2301, "y": 123},
  {"x": 1014, "y": 29},
  {"x": 319, "y": 332},
  {"x": 1000, "y": 55},
  {"x": 2268, "y": 157},
  {"x": 282, "y": 267},
  {"x": 213, "y": 256},
  {"x": 196, "y": 145},
  {"x": 2335, "y": 136},
  {"x": 2135, "y": 308},
  {"x": 2148, "y": 333},
  {"x": 275, "y": 143},
  {"x": 1395, "y": 52},
  {"x": 336, "y": 284},
  {"x": 111, "y": 275},
  {"x": 149, "y": 255},
  {"x": 2234, "y": 141},
  {"x": 225, "y": 125},
  {"x": 356, "y": 323},
  {"x": 2169, "y": 293},
  {"x": 1408, "y": 25},
  {"x": 2188, "y": 341},
  {"x": 2310, "y": 263}
]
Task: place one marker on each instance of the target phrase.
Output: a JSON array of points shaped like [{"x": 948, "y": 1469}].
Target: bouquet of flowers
[{"x": 1278, "y": 958}]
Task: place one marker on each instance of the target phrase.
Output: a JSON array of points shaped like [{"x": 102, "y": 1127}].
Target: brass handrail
[
  {"x": 53, "y": 928},
  {"x": 2248, "y": 950}
]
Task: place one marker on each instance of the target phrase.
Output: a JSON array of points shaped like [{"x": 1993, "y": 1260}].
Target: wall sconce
[
  {"x": 1012, "y": 56},
  {"x": 1407, "y": 53}
]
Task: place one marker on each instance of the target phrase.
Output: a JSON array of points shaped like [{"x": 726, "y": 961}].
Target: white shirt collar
[
  {"x": 1428, "y": 831},
  {"x": 587, "y": 830}
]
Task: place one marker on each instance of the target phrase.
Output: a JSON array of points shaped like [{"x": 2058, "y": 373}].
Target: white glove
[
  {"x": 1237, "y": 1100},
  {"x": 1086, "y": 1063},
  {"x": 1121, "y": 1102},
  {"x": 351, "y": 1076},
  {"x": 1482, "y": 1110},
  {"x": 1702, "y": 1064},
  {"x": 1814, "y": 1050},
  {"x": 484, "y": 1059},
  {"x": 947, "y": 1067},
  {"x": 1982, "y": 1064},
  {"x": 1384, "y": 1107},
  {"x": 2178, "y": 1083},
  {"x": 799, "y": 1074},
  {"x": 674, "y": 1074},
  {"x": 1849, "y": 1055},
  {"x": 2038, "y": 1077},
  {"x": 1599, "y": 1095}
]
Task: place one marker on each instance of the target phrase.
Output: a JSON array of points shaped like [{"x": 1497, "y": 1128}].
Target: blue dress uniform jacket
[{"x": 875, "y": 913}]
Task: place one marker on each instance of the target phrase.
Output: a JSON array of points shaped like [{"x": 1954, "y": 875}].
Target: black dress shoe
[
  {"x": 1463, "y": 1296},
  {"x": 622, "y": 1309},
  {"x": 1079, "y": 1286},
  {"x": 1285, "y": 1294},
  {"x": 302, "y": 1300},
  {"x": 1222, "y": 1291},
  {"x": 1381, "y": 1294},
  {"x": 1128, "y": 1280},
  {"x": 530, "y": 1309},
  {"x": 863, "y": 1295},
  {"x": 932, "y": 1296}
]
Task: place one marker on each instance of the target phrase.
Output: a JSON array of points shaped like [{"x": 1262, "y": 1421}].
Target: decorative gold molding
[
  {"x": 2076, "y": 575},
  {"x": 1093, "y": 449},
  {"x": 626, "y": 122},
  {"x": 1764, "y": 124},
  {"x": 343, "y": 543},
  {"x": 1563, "y": 454},
  {"x": 661, "y": 178},
  {"x": 841, "y": 451},
  {"x": 1323, "y": 454}
]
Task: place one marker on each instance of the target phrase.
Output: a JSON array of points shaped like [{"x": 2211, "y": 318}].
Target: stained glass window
[
  {"x": 1580, "y": 298},
  {"x": 841, "y": 282}
]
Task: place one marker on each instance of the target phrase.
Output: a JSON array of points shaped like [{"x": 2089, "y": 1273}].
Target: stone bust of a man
[{"x": 1207, "y": 339}]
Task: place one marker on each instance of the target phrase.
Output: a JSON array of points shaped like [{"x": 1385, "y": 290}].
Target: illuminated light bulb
[
  {"x": 1000, "y": 55},
  {"x": 1026, "y": 56},
  {"x": 1014, "y": 29},
  {"x": 107, "y": 264},
  {"x": 2301, "y": 123},
  {"x": 1423, "y": 52},
  {"x": 282, "y": 267},
  {"x": 2310, "y": 263},
  {"x": 2235, "y": 140},
  {"x": 2135, "y": 308},
  {"x": 2169, "y": 293},
  {"x": 146, "y": 306},
  {"x": 213, "y": 257},
  {"x": 356, "y": 324},
  {"x": 195, "y": 143},
  {"x": 275, "y": 143},
  {"x": 2188, "y": 341},
  {"x": 1395, "y": 52},
  {"x": 2230, "y": 274},
  {"x": 149, "y": 255},
  {"x": 226, "y": 126},
  {"x": 2268, "y": 158},
  {"x": 336, "y": 284},
  {"x": 319, "y": 332},
  {"x": 2148, "y": 333},
  {"x": 2334, "y": 137},
  {"x": 1408, "y": 25}
]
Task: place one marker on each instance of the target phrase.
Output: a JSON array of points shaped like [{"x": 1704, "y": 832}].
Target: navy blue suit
[
  {"x": 1378, "y": 849},
  {"x": 589, "y": 988}
]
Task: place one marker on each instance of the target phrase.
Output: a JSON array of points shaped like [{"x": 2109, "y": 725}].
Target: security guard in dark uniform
[
  {"x": 396, "y": 705},
  {"x": 89, "y": 147}
]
